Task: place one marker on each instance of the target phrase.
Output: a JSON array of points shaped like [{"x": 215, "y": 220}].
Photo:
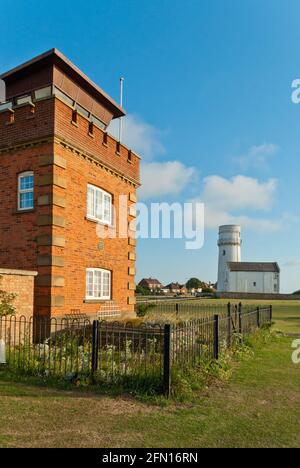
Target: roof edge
[
  {"x": 63, "y": 60},
  {"x": 275, "y": 266}
]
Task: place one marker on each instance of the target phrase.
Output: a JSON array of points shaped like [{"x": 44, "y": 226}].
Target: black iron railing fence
[
  {"x": 183, "y": 309},
  {"x": 118, "y": 353},
  {"x": 187, "y": 309}
]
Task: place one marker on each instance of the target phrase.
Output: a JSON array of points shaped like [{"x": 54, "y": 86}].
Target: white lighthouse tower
[{"x": 229, "y": 251}]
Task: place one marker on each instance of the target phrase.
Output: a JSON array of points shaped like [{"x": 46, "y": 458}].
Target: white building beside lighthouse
[{"x": 243, "y": 277}]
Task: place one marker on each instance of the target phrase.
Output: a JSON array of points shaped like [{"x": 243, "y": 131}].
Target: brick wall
[
  {"x": 21, "y": 283},
  {"x": 27, "y": 123},
  {"x": 19, "y": 230},
  {"x": 99, "y": 143},
  {"x": 83, "y": 248}
]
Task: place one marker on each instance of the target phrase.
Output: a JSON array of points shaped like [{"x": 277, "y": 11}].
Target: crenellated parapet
[{"x": 51, "y": 117}]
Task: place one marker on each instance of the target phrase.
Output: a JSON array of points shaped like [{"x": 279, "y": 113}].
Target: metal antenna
[
  {"x": 2, "y": 91},
  {"x": 121, "y": 104}
]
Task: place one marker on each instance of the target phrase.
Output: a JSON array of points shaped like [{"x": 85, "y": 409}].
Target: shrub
[
  {"x": 6, "y": 306},
  {"x": 143, "y": 309},
  {"x": 143, "y": 291}
]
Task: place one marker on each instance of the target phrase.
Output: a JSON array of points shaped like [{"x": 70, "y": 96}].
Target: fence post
[
  {"x": 229, "y": 324},
  {"x": 271, "y": 313},
  {"x": 258, "y": 317},
  {"x": 240, "y": 322},
  {"x": 177, "y": 309},
  {"x": 216, "y": 337},
  {"x": 167, "y": 360},
  {"x": 95, "y": 345}
]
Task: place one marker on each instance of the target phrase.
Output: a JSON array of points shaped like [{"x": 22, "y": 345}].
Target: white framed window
[
  {"x": 98, "y": 283},
  {"x": 26, "y": 191},
  {"x": 99, "y": 205}
]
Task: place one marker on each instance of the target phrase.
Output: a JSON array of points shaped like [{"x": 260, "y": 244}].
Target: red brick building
[
  {"x": 62, "y": 174},
  {"x": 151, "y": 283}
]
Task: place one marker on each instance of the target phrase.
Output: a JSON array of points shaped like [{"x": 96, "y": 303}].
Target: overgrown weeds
[{"x": 188, "y": 383}]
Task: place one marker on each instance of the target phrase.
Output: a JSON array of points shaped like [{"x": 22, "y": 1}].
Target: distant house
[
  {"x": 195, "y": 290},
  {"x": 173, "y": 288},
  {"x": 151, "y": 283}
]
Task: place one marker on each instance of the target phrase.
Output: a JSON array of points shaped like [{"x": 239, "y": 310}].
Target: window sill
[
  {"x": 30, "y": 210},
  {"x": 97, "y": 221},
  {"x": 95, "y": 301}
]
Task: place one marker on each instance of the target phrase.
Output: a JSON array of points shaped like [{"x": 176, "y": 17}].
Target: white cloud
[
  {"x": 158, "y": 178},
  {"x": 164, "y": 178},
  {"x": 290, "y": 218},
  {"x": 258, "y": 156},
  {"x": 238, "y": 192},
  {"x": 292, "y": 263},
  {"x": 139, "y": 136},
  {"x": 214, "y": 219},
  {"x": 226, "y": 199}
]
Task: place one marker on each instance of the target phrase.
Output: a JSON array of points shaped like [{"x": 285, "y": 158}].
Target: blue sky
[{"x": 208, "y": 96}]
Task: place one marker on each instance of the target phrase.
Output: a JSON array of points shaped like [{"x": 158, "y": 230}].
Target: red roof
[{"x": 150, "y": 281}]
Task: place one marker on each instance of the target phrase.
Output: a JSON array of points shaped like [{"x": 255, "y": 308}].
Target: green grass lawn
[
  {"x": 258, "y": 407},
  {"x": 286, "y": 314}
]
